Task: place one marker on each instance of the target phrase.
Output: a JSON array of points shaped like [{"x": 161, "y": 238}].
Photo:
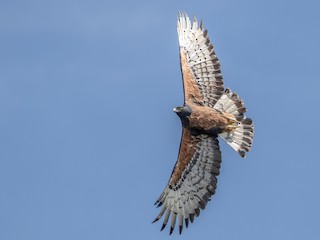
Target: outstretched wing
[
  {"x": 192, "y": 181},
  {"x": 202, "y": 79}
]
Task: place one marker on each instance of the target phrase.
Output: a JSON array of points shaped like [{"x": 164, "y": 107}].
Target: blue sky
[{"x": 87, "y": 133}]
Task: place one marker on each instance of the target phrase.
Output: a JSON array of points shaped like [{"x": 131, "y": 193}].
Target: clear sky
[{"x": 87, "y": 133}]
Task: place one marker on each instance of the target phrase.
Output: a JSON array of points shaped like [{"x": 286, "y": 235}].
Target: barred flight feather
[
  {"x": 197, "y": 184},
  {"x": 201, "y": 59}
]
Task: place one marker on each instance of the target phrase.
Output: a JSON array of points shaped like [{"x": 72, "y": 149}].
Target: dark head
[{"x": 183, "y": 112}]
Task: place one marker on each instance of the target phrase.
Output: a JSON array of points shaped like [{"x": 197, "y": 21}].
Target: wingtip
[
  {"x": 187, "y": 222},
  {"x": 191, "y": 217},
  {"x": 163, "y": 226},
  {"x": 182, "y": 14},
  {"x": 171, "y": 230},
  {"x": 155, "y": 220}
]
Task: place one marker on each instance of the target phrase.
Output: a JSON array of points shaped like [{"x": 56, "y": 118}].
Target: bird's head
[{"x": 183, "y": 111}]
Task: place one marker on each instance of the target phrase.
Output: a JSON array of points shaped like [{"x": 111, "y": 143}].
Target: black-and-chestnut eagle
[{"x": 209, "y": 111}]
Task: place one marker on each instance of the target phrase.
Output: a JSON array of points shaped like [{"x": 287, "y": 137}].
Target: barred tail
[{"x": 241, "y": 138}]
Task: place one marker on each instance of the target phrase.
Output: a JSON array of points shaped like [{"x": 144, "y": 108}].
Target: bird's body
[
  {"x": 205, "y": 120},
  {"x": 209, "y": 111}
]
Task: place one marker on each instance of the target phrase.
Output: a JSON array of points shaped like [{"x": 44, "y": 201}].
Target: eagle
[{"x": 209, "y": 111}]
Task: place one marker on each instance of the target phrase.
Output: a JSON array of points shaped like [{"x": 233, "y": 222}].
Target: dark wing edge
[
  {"x": 201, "y": 60},
  {"x": 183, "y": 198}
]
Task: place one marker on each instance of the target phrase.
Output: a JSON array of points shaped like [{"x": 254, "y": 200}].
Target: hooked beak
[{"x": 175, "y": 110}]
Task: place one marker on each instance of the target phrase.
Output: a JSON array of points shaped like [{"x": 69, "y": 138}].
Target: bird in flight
[{"x": 209, "y": 111}]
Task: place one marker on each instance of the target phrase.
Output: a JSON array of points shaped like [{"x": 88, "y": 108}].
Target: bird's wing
[
  {"x": 193, "y": 179},
  {"x": 202, "y": 79}
]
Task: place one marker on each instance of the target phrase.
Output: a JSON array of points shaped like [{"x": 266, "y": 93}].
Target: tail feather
[{"x": 241, "y": 138}]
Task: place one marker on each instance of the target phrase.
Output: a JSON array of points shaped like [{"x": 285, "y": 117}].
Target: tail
[{"x": 241, "y": 138}]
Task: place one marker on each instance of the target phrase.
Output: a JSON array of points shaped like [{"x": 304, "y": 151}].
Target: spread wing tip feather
[
  {"x": 201, "y": 72},
  {"x": 188, "y": 196}
]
